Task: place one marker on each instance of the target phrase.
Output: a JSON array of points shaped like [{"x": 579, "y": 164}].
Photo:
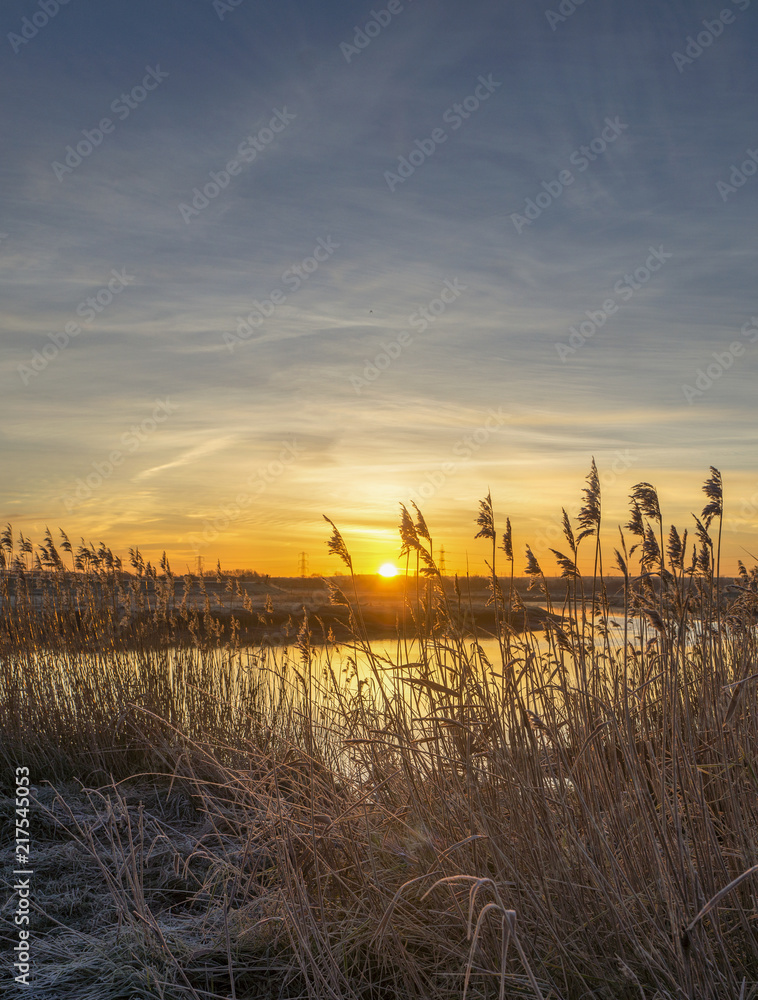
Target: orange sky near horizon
[{"x": 271, "y": 541}]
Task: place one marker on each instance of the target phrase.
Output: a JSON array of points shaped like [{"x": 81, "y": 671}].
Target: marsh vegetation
[{"x": 574, "y": 815}]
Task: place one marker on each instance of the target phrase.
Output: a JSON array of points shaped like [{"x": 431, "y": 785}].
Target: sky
[{"x": 263, "y": 262}]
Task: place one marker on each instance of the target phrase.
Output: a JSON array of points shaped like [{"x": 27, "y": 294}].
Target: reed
[{"x": 574, "y": 816}]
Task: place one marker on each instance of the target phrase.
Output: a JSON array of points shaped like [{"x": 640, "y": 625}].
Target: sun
[{"x": 387, "y": 569}]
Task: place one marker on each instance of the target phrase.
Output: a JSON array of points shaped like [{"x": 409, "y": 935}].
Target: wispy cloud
[{"x": 190, "y": 457}]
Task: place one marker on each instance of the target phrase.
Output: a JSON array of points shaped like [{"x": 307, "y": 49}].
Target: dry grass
[{"x": 578, "y": 818}]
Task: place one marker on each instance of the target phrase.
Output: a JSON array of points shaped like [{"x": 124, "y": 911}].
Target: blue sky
[{"x": 157, "y": 424}]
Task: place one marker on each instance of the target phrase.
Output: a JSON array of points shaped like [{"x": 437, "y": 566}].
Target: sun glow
[{"x": 387, "y": 569}]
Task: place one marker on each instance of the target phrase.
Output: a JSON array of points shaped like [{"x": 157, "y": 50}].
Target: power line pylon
[
  {"x": 442, "y": 561},
  {"x": 302, "y": 562}
]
